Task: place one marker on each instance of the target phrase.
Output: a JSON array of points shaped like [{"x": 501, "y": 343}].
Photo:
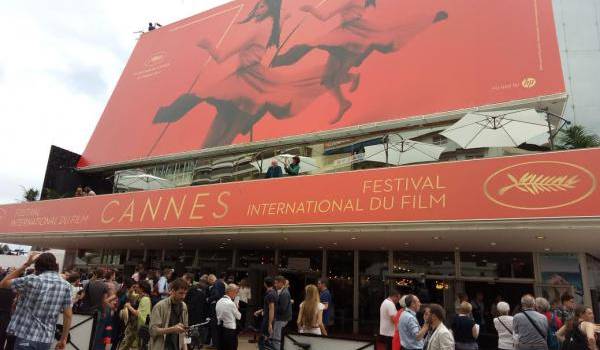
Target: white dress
[{"x": 315, "y": 330}]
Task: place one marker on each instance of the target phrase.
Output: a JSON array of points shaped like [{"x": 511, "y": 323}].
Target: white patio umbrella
[
  {"x": 307, "y": 164},
  {"x": 142, "y": 182},
  {"x": 402, "y": 151},
  {"x": 508, "y": 128}
]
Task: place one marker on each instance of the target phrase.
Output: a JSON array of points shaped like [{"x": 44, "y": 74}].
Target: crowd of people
[
  {"x": 151, "y": 309},
  {"x": 158, "y": 310},
  {"x": 407, "y": 324}
]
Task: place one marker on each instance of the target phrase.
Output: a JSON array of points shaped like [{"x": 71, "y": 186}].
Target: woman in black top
[
  {"x": 579, "y": 332},
  {"x": 465, "y": 329}
]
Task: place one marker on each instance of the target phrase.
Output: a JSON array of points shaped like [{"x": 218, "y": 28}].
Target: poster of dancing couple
[{"x": 256, "y": 70}]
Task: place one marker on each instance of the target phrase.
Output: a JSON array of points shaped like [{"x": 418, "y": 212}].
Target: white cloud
[{"x": 59, "y": 63}]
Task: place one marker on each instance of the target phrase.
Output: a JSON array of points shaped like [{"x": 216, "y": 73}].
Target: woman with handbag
[
  {"x": 504, "y": 327},
  {"x": 134, "y": 317}
]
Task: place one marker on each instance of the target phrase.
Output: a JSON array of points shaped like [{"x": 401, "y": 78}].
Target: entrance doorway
[
  {"x": 340, "y": 269},
  {"x": 298, "y": 280},
  {"x": 428, "y": 290},
  {"x": 490, "y": 294}
]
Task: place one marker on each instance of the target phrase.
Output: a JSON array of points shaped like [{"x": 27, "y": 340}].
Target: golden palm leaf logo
[{"x": 539, "y": 183}]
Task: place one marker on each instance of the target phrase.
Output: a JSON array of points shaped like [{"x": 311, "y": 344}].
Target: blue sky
[{"x": 59, "y": 63}]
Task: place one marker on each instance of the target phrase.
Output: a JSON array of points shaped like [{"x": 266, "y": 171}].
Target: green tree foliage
[
  {"x": 30, "y": 194},
  {"x": 577, "y": 136}
]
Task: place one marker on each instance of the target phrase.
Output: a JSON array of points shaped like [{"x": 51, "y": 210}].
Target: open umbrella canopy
[
  {"x": 402, "y": 151},
  {"x": 508, "y": 128},
  {"x": 142, "y": 182},
  {"x": 307, "y": 164}
]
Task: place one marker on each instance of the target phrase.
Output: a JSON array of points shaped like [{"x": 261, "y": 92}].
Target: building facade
[
  {"x": 178, "y": 160},
  {"x": 578, "y": 33}
]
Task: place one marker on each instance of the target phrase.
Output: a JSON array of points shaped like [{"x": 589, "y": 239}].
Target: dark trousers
[
  {"x": 22, "y": 344},
  {"x": 4, "y": 321},
  {"x": 10, "y": 342},
  {"x": 228, "y": 339},
  {"x": 214, "y": 332},
  {"x": 387, "y": 341},
  {"x": 243, "y": 311}
]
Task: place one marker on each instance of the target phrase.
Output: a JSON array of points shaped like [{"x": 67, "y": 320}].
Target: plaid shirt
[{"x": 41, "y": 299}]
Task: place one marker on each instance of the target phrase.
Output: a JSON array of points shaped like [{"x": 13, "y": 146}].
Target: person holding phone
[
  {"x": 169, "y": 319},
  {"x": 293, "y": 169}
]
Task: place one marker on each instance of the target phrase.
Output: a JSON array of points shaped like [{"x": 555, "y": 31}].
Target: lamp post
[{"x": 550, "y": 133}]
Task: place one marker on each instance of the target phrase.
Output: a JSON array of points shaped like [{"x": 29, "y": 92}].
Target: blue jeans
[
  {"x": 277, "y": 333},
  {"x": 24, "y": 344}
]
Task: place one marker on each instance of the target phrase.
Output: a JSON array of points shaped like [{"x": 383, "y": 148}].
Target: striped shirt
[{"x": 41, "y": 299}]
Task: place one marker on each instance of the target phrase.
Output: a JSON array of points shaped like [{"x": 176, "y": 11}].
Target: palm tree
[
  {"x": 30, "y": 194},
  {"x": 577, "y": 136}
]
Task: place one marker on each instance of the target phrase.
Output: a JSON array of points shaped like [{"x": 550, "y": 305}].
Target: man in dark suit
[
  {"x": 216, "y": 290},
  {"x": 274, "y": 170}
]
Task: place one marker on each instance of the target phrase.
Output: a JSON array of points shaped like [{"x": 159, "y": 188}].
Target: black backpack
[
  {"x": 575, "y": 339},
  {"x": 144, "y": 334},
  {"x": 85, "y": 304}
]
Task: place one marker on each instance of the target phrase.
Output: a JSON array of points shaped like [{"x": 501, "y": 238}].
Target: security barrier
[
  {"x": 294, "y": 341},
  {"x": 81, "y": 335}
]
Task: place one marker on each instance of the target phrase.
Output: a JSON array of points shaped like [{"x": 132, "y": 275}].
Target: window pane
[
  {"x": 340, "y": 268},
  {"x": 429, "y": 263},
  {"x": 136, "y": 256},
  {"x": 89, "y": 257},
  {"x": 372, "y": 267},
  {"x": 301, "y": 260},
  {"x": 186, "y": 257},
  {"x": 154, "y": 258},
  {"x": 246, "y": 258},
  {"x": 114, "y": 256},
  {"x": 507, "y": 265},
  {"x": 561, "y": 273},
  {"x": 216, "y": 262}
]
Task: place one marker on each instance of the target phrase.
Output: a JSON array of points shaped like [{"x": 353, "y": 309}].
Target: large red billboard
[
  {"x": 255, "y": 70},
  {"x": 550, "y": 185}
]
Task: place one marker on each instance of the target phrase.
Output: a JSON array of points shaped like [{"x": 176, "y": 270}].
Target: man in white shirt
[
  {"x": 227, "y": 314},
  {"x": 387, "y": 312},
  {"x": 163, "y": 283}
]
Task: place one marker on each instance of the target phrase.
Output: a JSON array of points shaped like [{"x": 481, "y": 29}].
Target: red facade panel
[
  {"x": 549, "y": 185},
  {"x": 261, "y": 70}
]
